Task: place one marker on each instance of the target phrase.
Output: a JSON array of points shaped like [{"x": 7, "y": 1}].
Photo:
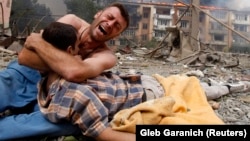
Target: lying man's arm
[{"x": 111, "y": 135}]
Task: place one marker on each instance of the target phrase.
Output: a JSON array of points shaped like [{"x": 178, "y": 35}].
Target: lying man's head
[{"x": 62, "y": 36}]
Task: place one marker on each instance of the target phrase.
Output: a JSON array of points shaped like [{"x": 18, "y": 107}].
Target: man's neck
[{"x": 88, "y": 41}]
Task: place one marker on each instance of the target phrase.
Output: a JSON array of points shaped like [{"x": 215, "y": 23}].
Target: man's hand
[
  {"x": 28, "y": 56},
  {"x": 34, "y": 40}
]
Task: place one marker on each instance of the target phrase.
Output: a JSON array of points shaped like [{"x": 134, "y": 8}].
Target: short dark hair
[
  {"x": 60, "y": 35},
  {"x": 123, "y": 11}
]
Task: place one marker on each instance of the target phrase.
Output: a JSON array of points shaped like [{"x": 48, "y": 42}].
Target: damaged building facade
[{"x": 150, "y": 19}]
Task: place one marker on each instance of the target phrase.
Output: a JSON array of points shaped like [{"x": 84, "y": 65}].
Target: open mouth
[{"x": 102, "y": 30}]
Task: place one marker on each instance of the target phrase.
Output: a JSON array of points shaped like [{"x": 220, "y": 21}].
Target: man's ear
[
  {"x": 70, "y": 50},
  {"x": 98, "y": 14}
]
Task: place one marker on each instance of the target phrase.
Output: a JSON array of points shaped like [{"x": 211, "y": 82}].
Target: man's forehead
[{"x": 115, "y": 12}]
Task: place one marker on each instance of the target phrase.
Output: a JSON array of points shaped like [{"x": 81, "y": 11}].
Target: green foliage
[
  {"x": 152, "y": 43},
  {"x": 85, "y": 9},
  {"x": 28, "y": 16}
]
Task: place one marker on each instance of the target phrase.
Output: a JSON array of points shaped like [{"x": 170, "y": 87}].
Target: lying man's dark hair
[{"x": 60, "y": 35}]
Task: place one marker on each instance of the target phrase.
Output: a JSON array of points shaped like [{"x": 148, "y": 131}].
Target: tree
[
  {"x": 85, "y": 9},
  {"x": 29, "y": 16}
]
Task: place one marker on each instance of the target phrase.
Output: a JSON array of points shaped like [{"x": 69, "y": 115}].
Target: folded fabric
[{"x": 184, "y": 103}]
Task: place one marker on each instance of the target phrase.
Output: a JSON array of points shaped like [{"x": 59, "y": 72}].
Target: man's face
[{"x": 107, "y": 24}]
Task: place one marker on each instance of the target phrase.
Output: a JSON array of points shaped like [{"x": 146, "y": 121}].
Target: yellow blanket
[{"x": 184, "y": 103}]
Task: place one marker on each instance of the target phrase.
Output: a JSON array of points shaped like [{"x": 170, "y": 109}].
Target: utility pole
[{"x": 194, "y": 29}]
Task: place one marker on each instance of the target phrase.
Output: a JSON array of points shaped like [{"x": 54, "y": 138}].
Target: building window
[
  {"x": 128, "y": 32},
  {"x": 217, "y": 26},
  {"x": 112, "y": 42},
  {"x": 241, "y": 17},
  {"x": 218, "y": 37},
  {"x": 184, "y": 24},
  {"x": 163, "y": 11},
  {"x": 219, "y": 14},
  {"x": 144, "y": 37},
  {"x": 145, "y": 26},
  {"x": 145, "y": 15},
  {"x": 159, "y": 34},
  {"x": 239, "y": 27},
  {"x": 164, "y": 22},
  {"x": 188, "y": 13}
]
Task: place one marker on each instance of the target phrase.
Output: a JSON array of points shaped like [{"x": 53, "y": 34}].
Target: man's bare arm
[
  {"x": 31, "y": 59},
  {"x": 65, "y": 64},
  {"x": 68, "y": 66},
  {"x": 76, "y": 70}
]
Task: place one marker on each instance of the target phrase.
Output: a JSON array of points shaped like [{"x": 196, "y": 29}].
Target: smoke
[
  {"x": 57, "y": 7},
  {"x": 239, "y": 5},
  {"x": 231, "y": 4}
]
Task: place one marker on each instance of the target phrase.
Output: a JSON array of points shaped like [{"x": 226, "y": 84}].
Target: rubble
[
  {"x": 179, "y": 53},
  {"x": 6, "y": 56},
  {"x": 232, "y": 108}
]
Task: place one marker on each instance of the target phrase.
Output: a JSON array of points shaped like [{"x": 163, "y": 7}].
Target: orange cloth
[{"x": 184, "y": 103}]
